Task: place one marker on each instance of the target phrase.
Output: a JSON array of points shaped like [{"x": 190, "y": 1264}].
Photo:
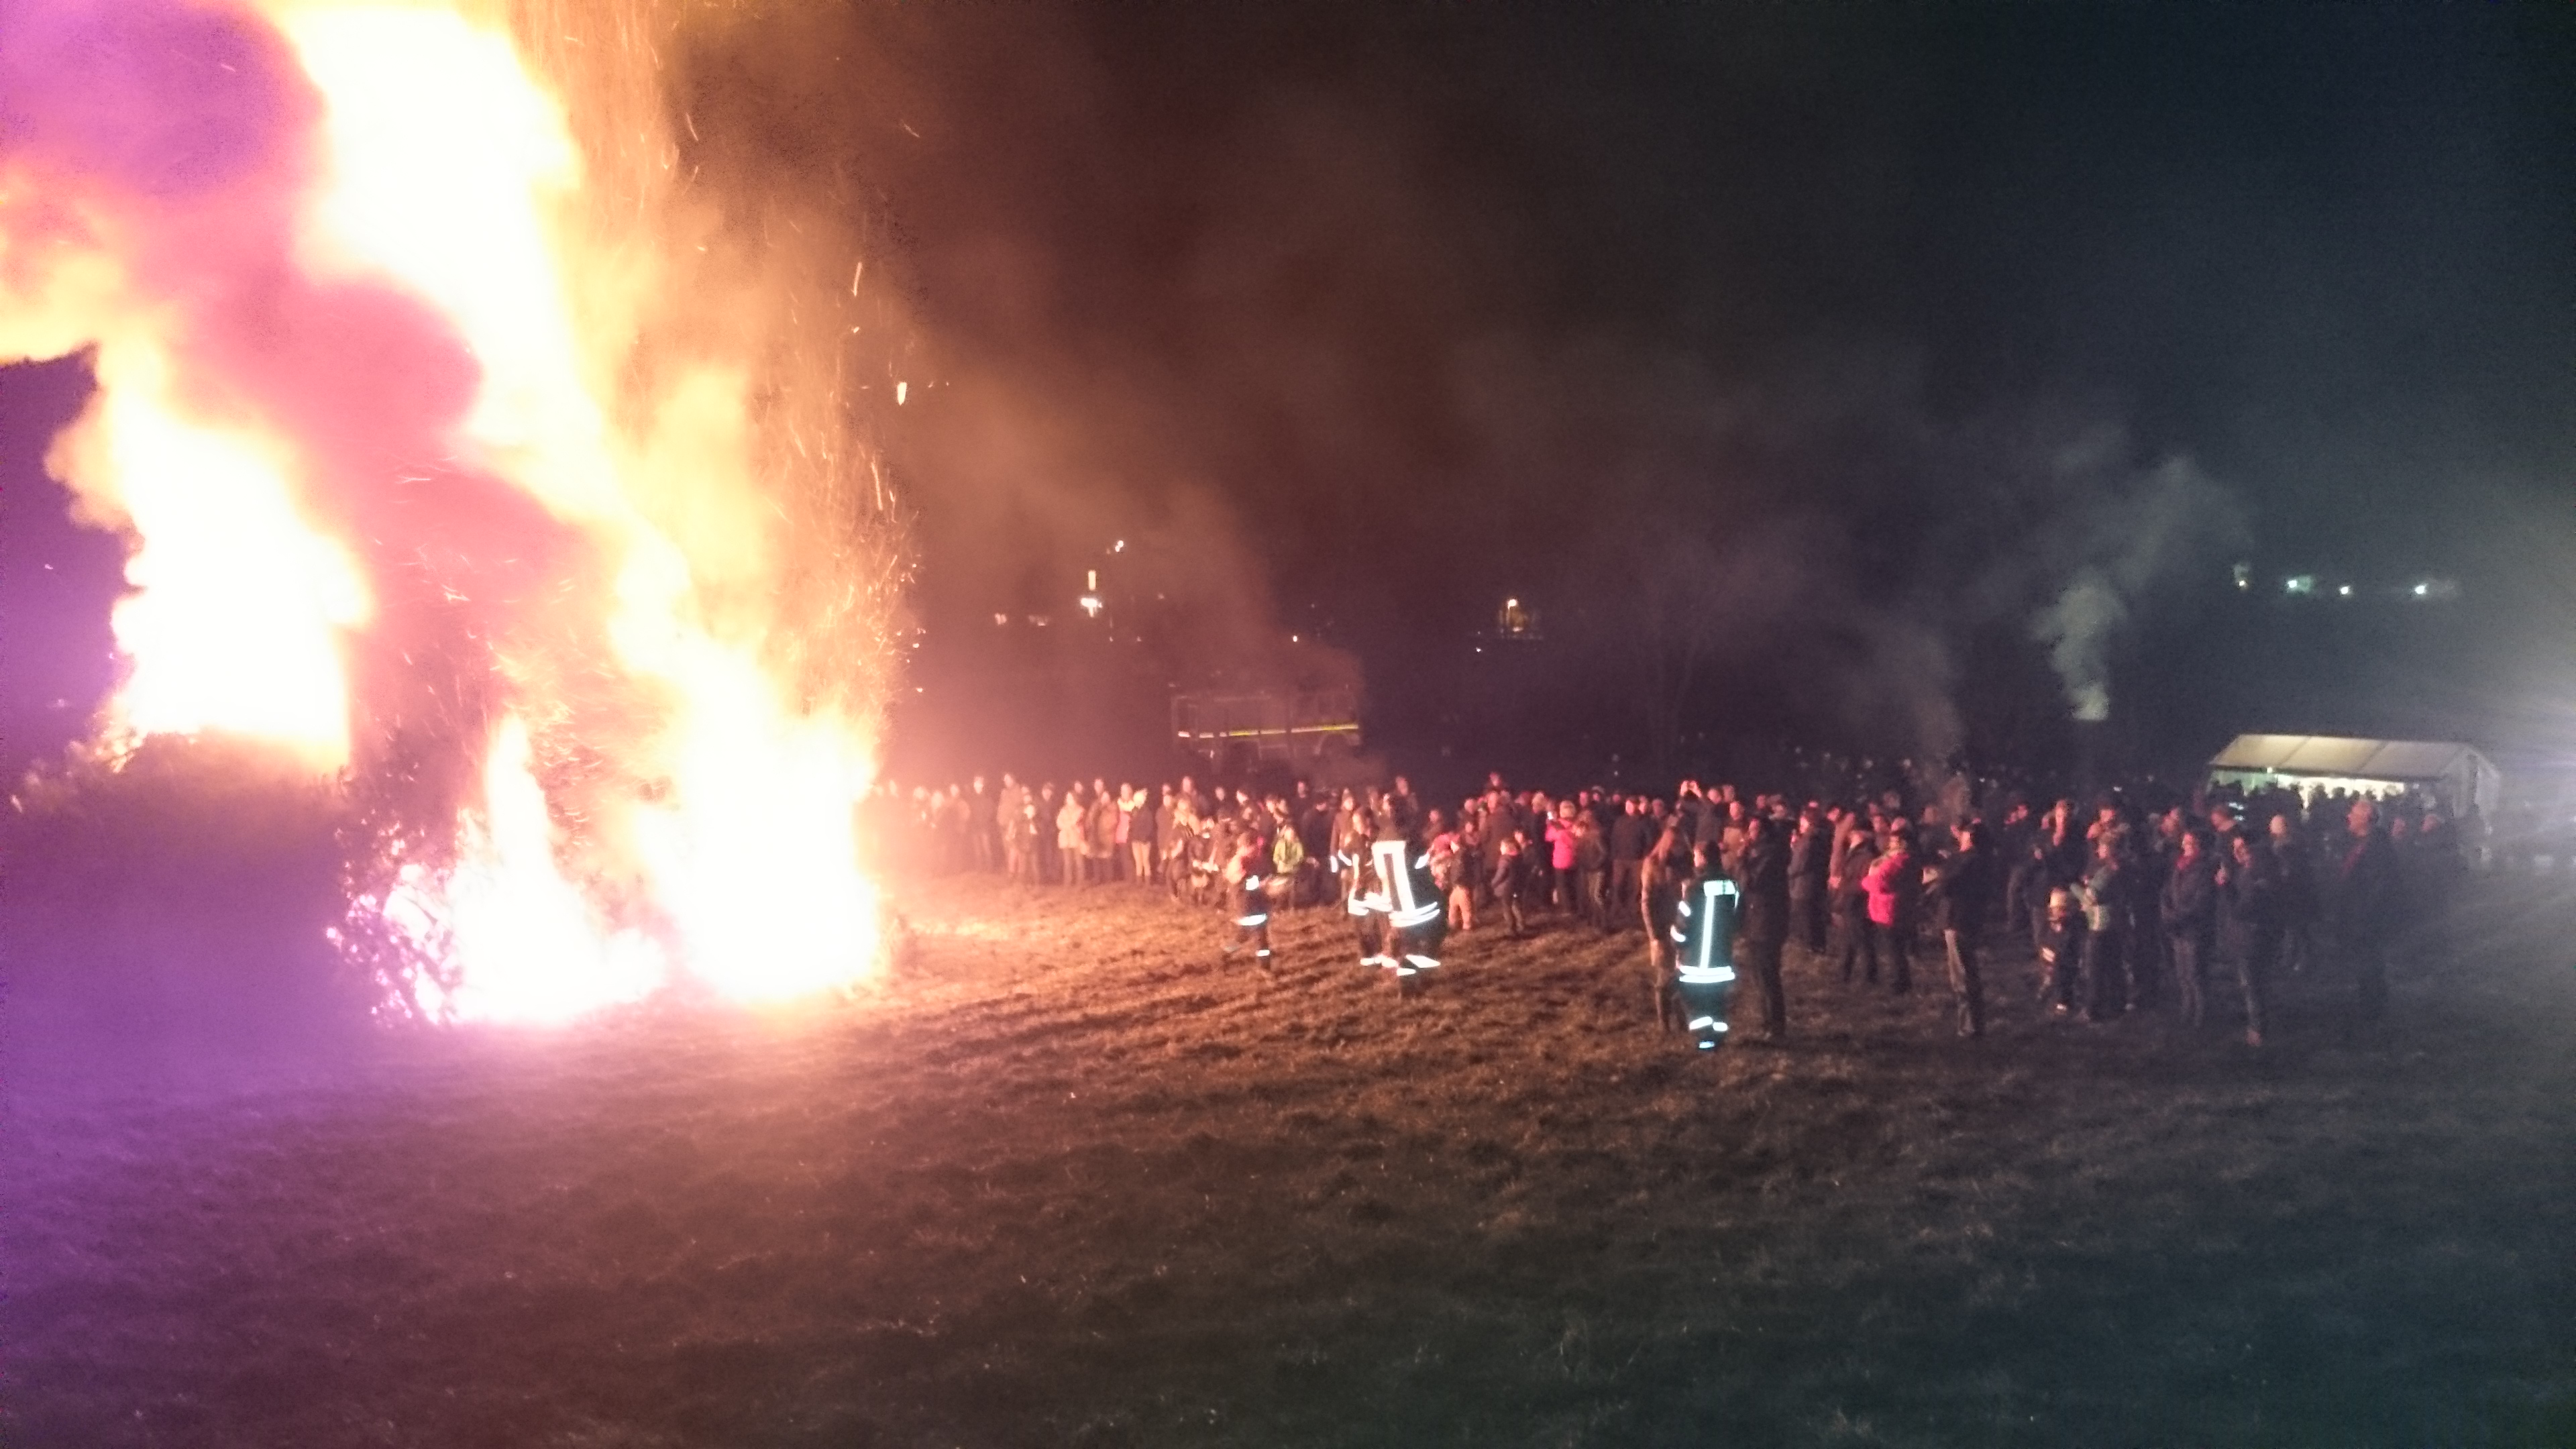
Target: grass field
[{"x": 1068, "y": 1179}]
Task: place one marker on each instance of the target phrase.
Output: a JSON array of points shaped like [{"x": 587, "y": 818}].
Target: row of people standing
[{"x": 2122, "y": 909}]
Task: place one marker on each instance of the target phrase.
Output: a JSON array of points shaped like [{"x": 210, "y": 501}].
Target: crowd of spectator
[{"x": 2124, "y": 904}]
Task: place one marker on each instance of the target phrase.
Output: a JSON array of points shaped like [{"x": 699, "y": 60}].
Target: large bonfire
[{"x": 469, "y": 454}]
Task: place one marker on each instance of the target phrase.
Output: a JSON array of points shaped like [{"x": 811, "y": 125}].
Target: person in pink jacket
[
  {"x": 1561, "y": 843},
  {"x": 1895, "y": 888}
]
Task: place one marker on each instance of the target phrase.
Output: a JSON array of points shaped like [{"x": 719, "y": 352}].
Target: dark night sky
[
  {"x": 1441, "y": 305},
  {"x": 2256, "y": 234},
  {"x": 1861, "y": 329}
]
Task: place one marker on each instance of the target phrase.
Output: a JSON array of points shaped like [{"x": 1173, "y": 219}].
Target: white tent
[{"x": 2455, "y": 774}]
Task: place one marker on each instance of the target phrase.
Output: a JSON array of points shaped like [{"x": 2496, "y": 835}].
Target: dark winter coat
[
  {"x": 1762, "y": 879},
  {"x": 2258, "y": 889},
  {"x": 2190, "y": 899},
  {"x": 1810, "y": 861},
  {"x": 1630, "y": 837},
  {"x": 2367, "y": 895},
  {"x": 1961, "y": 890}
]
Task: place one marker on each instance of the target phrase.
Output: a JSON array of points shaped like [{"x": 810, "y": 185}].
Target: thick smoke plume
[
  {"x": 1382, "y": 326},
  {"x": 1410, "y": 333}
]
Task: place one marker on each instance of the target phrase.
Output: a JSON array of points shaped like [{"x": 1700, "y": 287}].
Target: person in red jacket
[
  {"x": 1894, "y": 884},
  {"x": 1561, "y": 846}
]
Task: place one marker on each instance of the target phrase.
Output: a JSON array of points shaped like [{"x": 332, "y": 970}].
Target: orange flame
[
  {"x": 238, "y": 605},
  {"x": 721, "y": 848}
]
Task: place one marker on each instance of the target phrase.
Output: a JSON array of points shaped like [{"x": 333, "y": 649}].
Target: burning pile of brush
[{"x": 470, "y": 455}]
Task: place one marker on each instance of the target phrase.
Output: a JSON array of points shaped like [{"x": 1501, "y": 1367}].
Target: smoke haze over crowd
[
  {"x": 1966, "y": 346},
  {"x": 1918, "y": 375}
]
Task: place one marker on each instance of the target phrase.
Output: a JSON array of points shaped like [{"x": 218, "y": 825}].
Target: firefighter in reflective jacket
[
  {"x": 1704, "y": 952},
  {"x": 1364, "y": 896},
  {"x": 1247, "y": 887},
  {"x": 1417, "y": 920}
]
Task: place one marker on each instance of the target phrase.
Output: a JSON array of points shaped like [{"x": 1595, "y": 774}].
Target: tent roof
[{"x": 2335, "y": 755}]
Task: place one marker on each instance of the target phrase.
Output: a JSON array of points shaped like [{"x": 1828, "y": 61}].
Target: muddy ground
[{"x": 1069, "y": 1178}]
